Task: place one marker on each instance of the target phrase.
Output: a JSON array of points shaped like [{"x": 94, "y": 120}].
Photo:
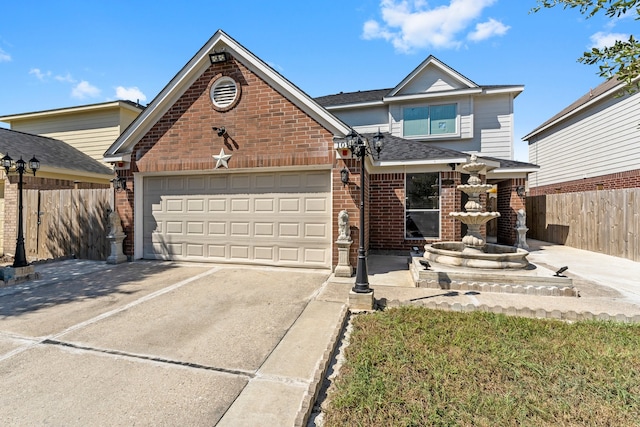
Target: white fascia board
[
  {"x": 523, "y": 170},
  {"x": 117, "y": 158},
  {"x": 357, "y": 105},
  {"x": 584, "y": 106},
  {"x": 429, "y": 95},
  {"x": 384, "y": 163},
  {"x": 510, "y": 89}
]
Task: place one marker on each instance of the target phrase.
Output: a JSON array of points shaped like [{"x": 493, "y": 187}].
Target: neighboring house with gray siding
[{"x": 590, "y": 145}]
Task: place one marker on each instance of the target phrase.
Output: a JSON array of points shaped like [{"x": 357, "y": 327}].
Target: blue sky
[{"x": 64, "y": 53}]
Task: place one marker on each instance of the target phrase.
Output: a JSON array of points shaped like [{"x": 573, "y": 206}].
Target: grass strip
[{"x": 412, "y": 366}]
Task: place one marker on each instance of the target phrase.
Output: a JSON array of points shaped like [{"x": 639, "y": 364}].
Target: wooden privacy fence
[
  {"x": 605, "y": 221},
  {"x": 63, "y": 223}
]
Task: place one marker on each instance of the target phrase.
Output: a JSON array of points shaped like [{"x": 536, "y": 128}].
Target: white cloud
[
  {"x": 130, "y": 93},
  {"x": 39, "y": 74},
  {"x": 411, "y": 24},
  {"x": 65, "y": 79},
  {"x": 600, "y": 39},
  {"x": 485, "y": 30},
  {"x": 4, "y": 56},
  {"x": 84, "y": 89}
]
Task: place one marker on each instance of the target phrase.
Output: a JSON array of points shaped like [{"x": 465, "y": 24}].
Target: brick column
[
  {"x": 450, "y": 196},
  {"x": 509, "y": 203}
]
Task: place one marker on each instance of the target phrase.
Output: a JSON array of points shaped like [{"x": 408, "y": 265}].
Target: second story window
[{"x": 430, "y": 120}]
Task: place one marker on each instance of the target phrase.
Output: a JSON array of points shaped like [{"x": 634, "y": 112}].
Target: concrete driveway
[{"x": 154, "y": 343}]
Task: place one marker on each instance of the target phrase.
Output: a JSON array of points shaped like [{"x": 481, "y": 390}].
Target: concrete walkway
[{"x": 609, "y": 287}]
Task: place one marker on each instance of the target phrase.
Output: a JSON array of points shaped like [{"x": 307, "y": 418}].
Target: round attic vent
[{"x": 224, "y": 93}]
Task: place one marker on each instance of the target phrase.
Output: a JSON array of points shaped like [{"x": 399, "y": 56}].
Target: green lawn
[{"x": 413, "y": 366}]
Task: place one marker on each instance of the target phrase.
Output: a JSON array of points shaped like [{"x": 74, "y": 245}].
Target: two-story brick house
[{"x": 231, "y": 162}]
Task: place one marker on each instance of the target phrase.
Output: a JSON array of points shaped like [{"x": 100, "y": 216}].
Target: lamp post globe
[{"x": 361, "y": 149}]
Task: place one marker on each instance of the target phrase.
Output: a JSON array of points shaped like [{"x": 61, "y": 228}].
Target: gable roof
[
  {"x": 609, "y": 87},
  {"x": 432, "y": 61},
  {"x": 121, "y": 149},
  {"x": 54, "y": 155},
  {"x": 366, "y": 98}
]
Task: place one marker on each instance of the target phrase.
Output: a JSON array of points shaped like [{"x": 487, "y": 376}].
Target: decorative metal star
[{"x": 221, "y": 159}]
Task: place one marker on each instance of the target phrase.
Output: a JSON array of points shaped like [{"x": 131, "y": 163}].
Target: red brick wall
[
  {"x": 388, "y": 216},
  {"x": 264, "y": 129},
  {"x": 509, "y": 203},
  {"x": 450, "y": 201},
  {"x": 348, "y": 198},
  {"x": 614, "y": 181}
]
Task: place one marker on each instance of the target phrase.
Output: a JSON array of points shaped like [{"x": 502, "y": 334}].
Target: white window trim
[
  {"x": 456, "y": 134},
  {"x": 439, "y": 210}
]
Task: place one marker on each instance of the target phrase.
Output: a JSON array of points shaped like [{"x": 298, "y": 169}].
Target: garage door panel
[
  {"x": 271, "y": 218},
  {"x": 174, "y": 205},
  {"x": 195, "y": 250},
  {"x": 174, "y": 227},
  {"x": 316, "y": 230},
  {"x": 240, "y": 205},
  {"x": 217, "y": 205},
  {"x": 195, "y": 205},
  {"x": 289, "y": 205},
  {"x": 315, "y": 256},
  {"x": 316, "y": 205},
  {"x": 217, "y": 229}
]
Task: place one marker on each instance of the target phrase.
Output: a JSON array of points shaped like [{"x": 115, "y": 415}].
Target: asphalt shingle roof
[
  {"x": 400, "y": 149},
  {"x": 49, "y": 151},
  {"x": 345, "y": 98}
]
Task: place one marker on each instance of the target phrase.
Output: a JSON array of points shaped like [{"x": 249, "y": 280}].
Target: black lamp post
[
  {"x": 361, "y": 149},
  {"x": 20, "y": 259}
]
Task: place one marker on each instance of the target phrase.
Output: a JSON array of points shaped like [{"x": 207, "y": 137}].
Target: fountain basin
[
  {"x": 493, "y": 256},
  {"x": 474, "y": 217}
]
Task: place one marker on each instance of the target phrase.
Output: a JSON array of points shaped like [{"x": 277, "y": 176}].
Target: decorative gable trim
[
  {"x": 198, "y": 64},
  {"x": 434, "y": 62}
]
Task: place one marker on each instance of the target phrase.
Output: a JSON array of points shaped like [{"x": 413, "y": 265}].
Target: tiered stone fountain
[{"x": 474, "y": 251}]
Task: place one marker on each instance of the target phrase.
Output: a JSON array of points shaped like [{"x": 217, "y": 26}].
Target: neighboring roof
[
  {"x": 52, "y": 153},
  {"x": 358, "y": 97},
  {"x": 513, "y": 164},
  {"x": 121, "y": 149},
  {"x": 607, "y": 88},
  {"x": 129, "y": 105}
]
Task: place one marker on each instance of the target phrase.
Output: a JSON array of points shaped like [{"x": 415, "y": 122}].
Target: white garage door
[{"x": 279, "y": 219}]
